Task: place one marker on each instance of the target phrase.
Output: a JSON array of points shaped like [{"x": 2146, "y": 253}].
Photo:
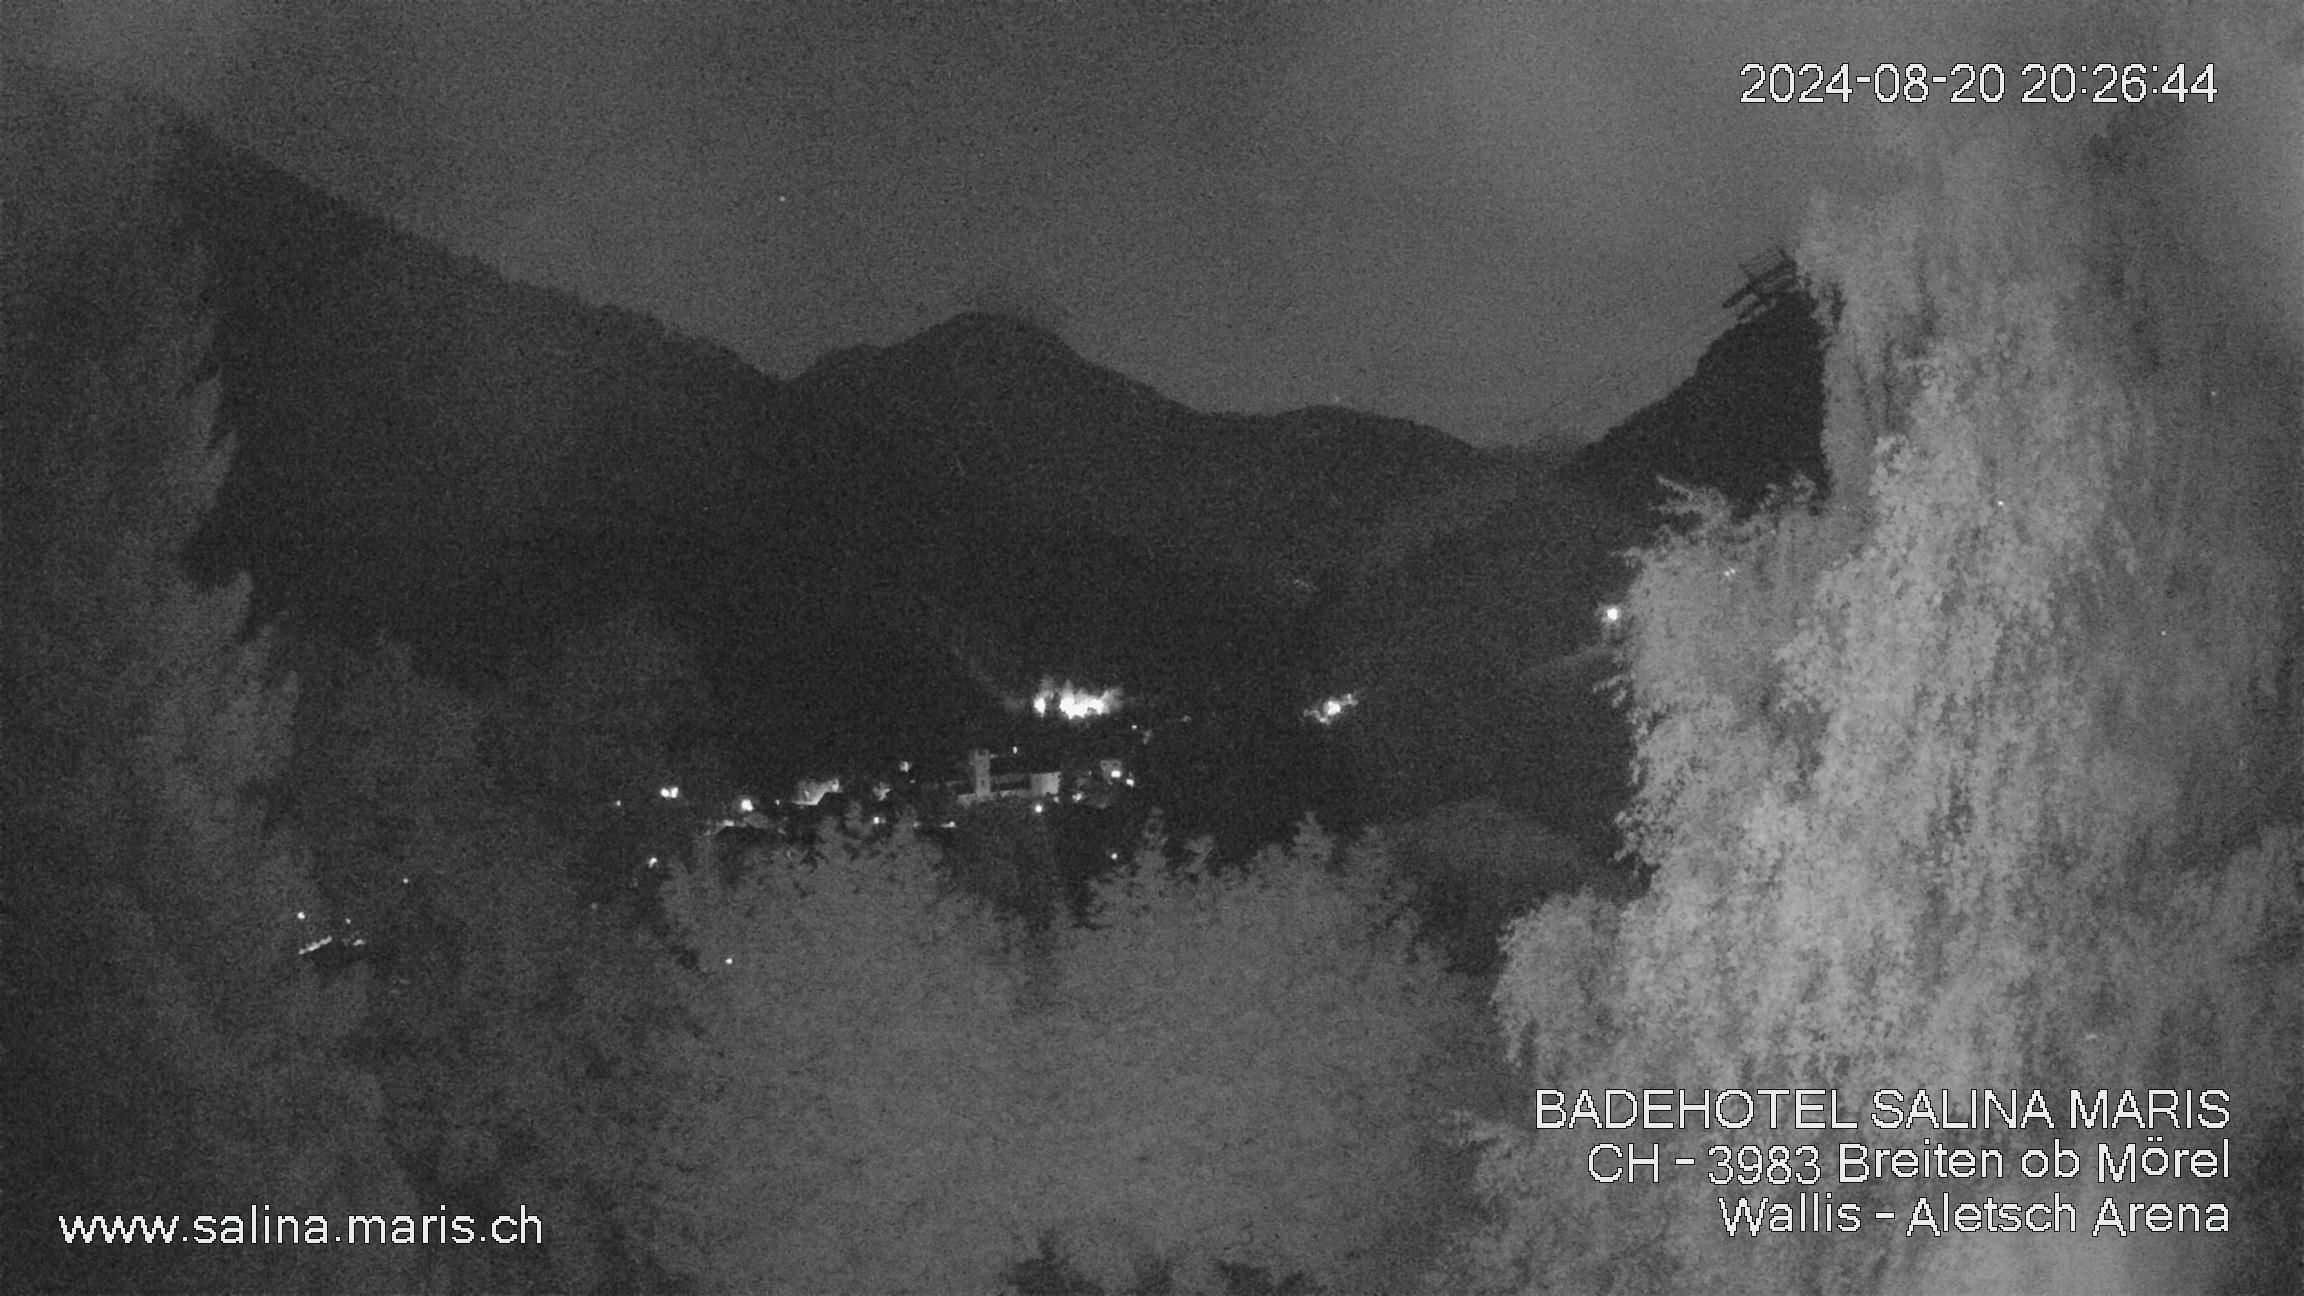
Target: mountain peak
[
  {"x": 996, "y": 366},
  {"x": 969, "y": 341},
  {"x": 986, "y": 337}
]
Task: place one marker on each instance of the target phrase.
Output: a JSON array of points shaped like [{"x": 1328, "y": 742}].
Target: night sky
[{"x": 1509, "y": 219}]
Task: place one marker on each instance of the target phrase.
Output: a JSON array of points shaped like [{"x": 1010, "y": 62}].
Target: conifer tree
[
  {"x": 511, "y": 1032},
  {"x": 1249, "y": 1067},
  {"x": 198, "y": 1066},
  {"x": 845, "y": 1112}
]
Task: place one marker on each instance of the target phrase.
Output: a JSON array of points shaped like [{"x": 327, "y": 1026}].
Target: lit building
[
  {"x": 812, "y": 791},
  {"x": 986, "y": 783},
  {"x": 1072, "y": 702}
]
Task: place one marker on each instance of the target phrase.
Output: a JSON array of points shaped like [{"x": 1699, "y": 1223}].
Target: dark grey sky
[{"x": 1508, "y": 218}]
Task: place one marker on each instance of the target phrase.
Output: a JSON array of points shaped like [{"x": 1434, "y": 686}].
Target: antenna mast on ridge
[{"x": 1765, "y": 279}]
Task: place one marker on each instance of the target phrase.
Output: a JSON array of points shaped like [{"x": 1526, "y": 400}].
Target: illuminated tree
[
  {"x": 1974, "y": 775},
  {"x": 845, "y": 1112},
  {"x": 878, "y": 1086},
  {"x": 1252, "y": 1067}
]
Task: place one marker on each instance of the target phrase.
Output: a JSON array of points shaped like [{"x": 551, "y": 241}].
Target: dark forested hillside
[
  {"x": 413, "y": 426},
  {"x": 1750, "y": 418},
  {"x": 1477, "y": 650},
  {"x": 1474, "y": 661},
  {"x": 1054, "y": 443}
]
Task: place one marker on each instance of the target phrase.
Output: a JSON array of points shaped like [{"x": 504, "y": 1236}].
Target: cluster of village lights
[{"x": 1073, "y": 702}]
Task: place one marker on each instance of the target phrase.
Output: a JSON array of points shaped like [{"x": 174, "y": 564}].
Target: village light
[{"x": 1073, "y": 702}]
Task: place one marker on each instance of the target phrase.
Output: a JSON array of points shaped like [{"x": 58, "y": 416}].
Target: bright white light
[
  {"x": 1073, "y": 702},
  {"x": 744, "y": 805},
  {"x": 670, "y": 791},
  {"x": 1329, "y": 710},
  {"x": 1613, "y": 621}
]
